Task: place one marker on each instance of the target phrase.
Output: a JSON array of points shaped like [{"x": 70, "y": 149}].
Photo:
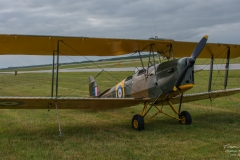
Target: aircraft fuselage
[{"x": 153, "y": 81}]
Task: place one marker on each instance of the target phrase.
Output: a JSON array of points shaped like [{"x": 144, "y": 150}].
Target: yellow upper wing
[
  {"x": 78, "y": 46},
  {"x": 182, "y": 49}
]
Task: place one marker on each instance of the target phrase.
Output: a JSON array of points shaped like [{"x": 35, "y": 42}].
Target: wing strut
[
  {"x": 154, "y": 62},
  {"x": 141, "y": 59},
  {"x": 58, "y": 47},
  {"x": 57, "y": 70},
  {"x": 53, "y": 67},
  {"x": 226, "y": 69},
  {"x": 151, "y": 53},
  {"x": 210, "y": 74}
]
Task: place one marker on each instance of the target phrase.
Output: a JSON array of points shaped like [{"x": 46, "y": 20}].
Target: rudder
[{"x": 93, "y": 88}]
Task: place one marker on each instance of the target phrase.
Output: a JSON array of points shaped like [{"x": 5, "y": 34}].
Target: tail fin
[{"x": 93, "y": 88}]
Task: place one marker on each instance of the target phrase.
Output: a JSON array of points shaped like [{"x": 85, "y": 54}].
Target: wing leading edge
[{"x": 79, "y": 46}]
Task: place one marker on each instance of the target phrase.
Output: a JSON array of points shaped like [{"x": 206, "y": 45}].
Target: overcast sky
[{"x": 184, "y": 20}]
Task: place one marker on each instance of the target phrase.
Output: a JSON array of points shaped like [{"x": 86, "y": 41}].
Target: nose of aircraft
[{"x": 191, "y": 60}]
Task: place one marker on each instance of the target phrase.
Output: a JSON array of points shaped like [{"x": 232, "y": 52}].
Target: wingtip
[{"x": 206, "y": 36}]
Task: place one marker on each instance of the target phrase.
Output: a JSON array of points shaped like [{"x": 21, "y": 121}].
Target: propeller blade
[
  {"x": 198, "y": 49},
  {"x": 191, "y": 60}
]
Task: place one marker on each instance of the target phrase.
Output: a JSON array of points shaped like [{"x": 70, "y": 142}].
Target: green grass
[{"x": 33, "y": 134}]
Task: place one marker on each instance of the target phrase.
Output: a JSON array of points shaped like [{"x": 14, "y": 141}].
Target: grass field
[{"x": 33, "y": 134}]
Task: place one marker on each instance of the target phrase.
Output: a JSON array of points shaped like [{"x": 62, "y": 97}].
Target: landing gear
[
  {"x": 185, "y": 118},
  {"x": 138, "y": 122}
]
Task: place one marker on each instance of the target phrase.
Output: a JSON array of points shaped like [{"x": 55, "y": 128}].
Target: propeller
[{"x": 191, "y": 60}]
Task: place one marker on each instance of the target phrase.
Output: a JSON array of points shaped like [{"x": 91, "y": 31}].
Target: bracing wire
[
  {"x": 88, "y": 59},
  {"x": 92, "y": 63}
]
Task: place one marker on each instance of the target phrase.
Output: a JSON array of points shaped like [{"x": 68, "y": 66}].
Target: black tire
[
  {"x": 185, "y": 117},
  {"x": 137, "y": 122}
]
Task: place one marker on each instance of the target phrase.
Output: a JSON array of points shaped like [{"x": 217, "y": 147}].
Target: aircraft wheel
[
  {"x": 185, "y": 118},
  {"x": 138, "y": 122}
]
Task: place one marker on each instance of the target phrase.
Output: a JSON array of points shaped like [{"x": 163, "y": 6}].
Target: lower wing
[
  {"x": 204, "y": 95},
  {"x": 67, "y": 103},
  {"x": 100, "y": 103}
]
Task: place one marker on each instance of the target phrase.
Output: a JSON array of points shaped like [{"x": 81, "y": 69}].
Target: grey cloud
[{"x": 180, "y": 20}]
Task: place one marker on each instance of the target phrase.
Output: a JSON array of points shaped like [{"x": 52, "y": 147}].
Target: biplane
[{"x": 154, "y": 85}]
